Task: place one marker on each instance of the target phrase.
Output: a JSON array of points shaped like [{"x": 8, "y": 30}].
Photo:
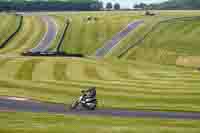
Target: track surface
[
  {"x": 117, "y": 38},
  {"x": 21, "y": 104},
  {"x": 49, "y": 36}
]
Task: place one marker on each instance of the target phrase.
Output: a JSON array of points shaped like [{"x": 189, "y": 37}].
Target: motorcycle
[{"x": 87, "y": 101}]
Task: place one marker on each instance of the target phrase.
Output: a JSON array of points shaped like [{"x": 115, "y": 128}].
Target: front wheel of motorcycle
[{"x": 74, "y": 105}]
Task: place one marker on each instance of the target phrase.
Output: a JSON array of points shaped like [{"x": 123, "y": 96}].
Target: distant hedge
[
  {"x": 48, "y": 6},
  {"x": 74, "y": 1}
]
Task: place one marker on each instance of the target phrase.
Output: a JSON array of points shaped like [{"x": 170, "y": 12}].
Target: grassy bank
[
  {"x": 85, "y": 36},
  {"x": 129, "y": 85},
  {"x": 28, "y": 37},
  {"x": 45, "y": 123},
  {"x": 169, "y": 41},
  {"x": 142, "y": 80},
  {"x": 8, "y": 25}
]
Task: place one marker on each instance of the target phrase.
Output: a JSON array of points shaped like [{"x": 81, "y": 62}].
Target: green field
[
  {"x": 126, "y": 85},
  {"x": 85, "y": 36},
  {"x": 169, "y": 41},
  {"x": 45, "y": 123},
  {"x": 149, "y": 77},
  {"x": 29, "y": 35},
  {"x": 8, "y": 26}
]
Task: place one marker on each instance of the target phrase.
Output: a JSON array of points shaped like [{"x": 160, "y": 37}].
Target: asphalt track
[
  {"x": 101, "y": 52},
  {"x": 12, "y": 104},
  {"x": 49, "y": 36}
]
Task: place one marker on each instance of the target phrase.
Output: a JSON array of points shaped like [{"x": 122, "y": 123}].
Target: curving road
[
  {"x": 109, "y": 45},
  {"x": 23, "y": 104},
  {"x": 49, "y": 36}
]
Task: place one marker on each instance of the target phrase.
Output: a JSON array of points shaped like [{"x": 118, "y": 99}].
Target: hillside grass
[
  {"x": 46, "y": 123},
  {"x": 168, "y": 42},
  {"x": 85, "y": 36},
  {"x": 122, "y": 84},
  {"x": 133, "y": 37},
  {"x": 8, "y": 25},
  {"x": 143, "y": 82},
  {"x": 130, "y": 41},
  {"x": 28, "y": 37},
  {"x": 126, "y": 85}
]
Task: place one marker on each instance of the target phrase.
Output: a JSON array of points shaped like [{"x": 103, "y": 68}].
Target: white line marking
[{"x": 17, "y": 99}]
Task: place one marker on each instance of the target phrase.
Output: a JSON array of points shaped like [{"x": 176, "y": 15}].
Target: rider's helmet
[
  {"x": 92, "y": 92},
  {"x": 82, "y": 91}
]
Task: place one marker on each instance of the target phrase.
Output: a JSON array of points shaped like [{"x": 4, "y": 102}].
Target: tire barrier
[
  {"x": 13, "y": 34},
  {"x": 171, "y": 20},
  {"x": 52, "y": 54}
]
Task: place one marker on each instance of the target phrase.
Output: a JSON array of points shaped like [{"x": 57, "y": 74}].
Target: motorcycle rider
[
  {"x": 87, "y": 100},
  {"x": 89, "y": 95}
]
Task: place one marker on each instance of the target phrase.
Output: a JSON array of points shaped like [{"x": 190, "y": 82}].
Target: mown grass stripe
[
  {"x": 22, "y": 37},
  {"x": 75, "y": 71},
  {"x": 7, "y": 26},
  {"x": 91, "y": 72},
  {"x": 5, "y": 20},
  {"x": 36, "y": 36},
  {"x": 123, "y": 99},
  {"x": 141, "y": 85},
  {"x": 107, "y": 74},
  {"x": 28, "y": 37},
  {"x": 129, "y": 90},
  {"x": 93, "y": 33},
  {"x": 10, "y": 68},
  {"x": 26, "y": 70},
  {"x": 10, "y": 33},
  {"x": 102, "y": 124},
  {"x": 60, "y": 71},
  {"x": 43, "y": 71},
  {"x": 123, "y": 96},
  {"x": 171, "y": 44},
  {"x": 3, "y": 62}
]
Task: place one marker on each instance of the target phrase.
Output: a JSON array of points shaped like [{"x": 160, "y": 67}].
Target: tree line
[
  {"x": 172, "y": 4},
  {"x": 48, "y": 6},
  {"x": 110, "y": 6},
  {"x": 53, "y": 5}
]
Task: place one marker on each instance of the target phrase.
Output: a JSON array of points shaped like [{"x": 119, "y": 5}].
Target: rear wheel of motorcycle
[
  {"x": 94, "y": 107},
  {"x": 91, "y": 108}
]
